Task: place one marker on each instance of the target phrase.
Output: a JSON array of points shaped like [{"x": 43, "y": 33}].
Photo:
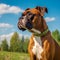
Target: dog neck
[
  {"x": 44, "y": 37},
  {"x": 43, "y": 25},
  {"x": 42, "y": 28}
]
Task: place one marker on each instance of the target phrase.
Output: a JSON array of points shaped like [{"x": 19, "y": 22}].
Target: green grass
[{"x": 13, "y": 56}]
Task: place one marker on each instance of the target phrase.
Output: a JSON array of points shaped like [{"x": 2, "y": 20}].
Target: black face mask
[{"x": 29, "y": 25}]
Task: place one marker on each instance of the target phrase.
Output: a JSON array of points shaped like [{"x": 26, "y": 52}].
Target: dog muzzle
[{"x": 25, "y": 22}]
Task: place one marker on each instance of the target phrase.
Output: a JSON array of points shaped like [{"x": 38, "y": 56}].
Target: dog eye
[{"x": 28, "y": 12}]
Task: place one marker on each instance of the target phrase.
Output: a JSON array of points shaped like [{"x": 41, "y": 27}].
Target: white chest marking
[{"x": 37, "y": 48}]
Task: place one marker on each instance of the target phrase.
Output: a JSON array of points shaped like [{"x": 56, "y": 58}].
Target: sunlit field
[{"x": 13, "y": 56}]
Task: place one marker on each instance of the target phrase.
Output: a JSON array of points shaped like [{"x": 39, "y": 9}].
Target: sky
[{"x": 11, "y": 10}]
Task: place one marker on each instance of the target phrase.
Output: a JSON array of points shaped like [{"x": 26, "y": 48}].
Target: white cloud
[
  {"x": 48, "y": 19},
  {"x": 4, "y": 8},
  {"x": 5, "y": 25},
  {"x": 7, "y": 36}
]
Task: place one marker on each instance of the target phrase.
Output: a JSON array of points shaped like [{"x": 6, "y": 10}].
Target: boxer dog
[{"x": 41, "y": 46}]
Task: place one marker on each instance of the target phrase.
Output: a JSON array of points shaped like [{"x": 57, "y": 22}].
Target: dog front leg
[
  {"x": 31, "y": 43},
  {"x": 49, "y": 50},
  {"x": 32, "y": 56}
]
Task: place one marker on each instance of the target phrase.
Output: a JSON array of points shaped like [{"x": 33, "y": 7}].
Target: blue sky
[{"x": 10, "y": 11}]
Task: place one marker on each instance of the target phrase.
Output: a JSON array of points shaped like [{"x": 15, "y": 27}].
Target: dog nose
[{"x": 29, "y": 25}]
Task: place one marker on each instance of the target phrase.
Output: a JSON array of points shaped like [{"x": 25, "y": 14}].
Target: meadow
[{"x": 13, "y": 56}]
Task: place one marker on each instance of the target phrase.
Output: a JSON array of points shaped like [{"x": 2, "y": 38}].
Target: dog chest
[{"x": 37, "y": 48}]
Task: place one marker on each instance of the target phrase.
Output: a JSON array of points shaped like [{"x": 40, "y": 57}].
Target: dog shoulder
[{"x": 31, "y": 43}]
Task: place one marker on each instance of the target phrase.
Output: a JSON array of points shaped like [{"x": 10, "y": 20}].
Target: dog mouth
[{"x": 21, "y": 27}]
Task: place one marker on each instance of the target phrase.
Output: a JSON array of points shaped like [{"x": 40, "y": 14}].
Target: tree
[
  {"x": 0, "y": 47},
  {"x": 22, "y": 44},
  {"x": 15, "y": 43},
  {"x": 25, "y": 46},
  {"x": 58, "y": 38},
  {"x": 56, "y": 35},
  {"x": 4, "y": 45}
]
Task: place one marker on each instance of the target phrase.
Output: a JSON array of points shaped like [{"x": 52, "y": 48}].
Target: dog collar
[{"x": 42, "y": 34}]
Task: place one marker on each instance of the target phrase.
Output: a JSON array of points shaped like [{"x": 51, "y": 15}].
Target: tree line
[
  {"x": 20, "y": 45},
  {"x": 16, "y": 44}
]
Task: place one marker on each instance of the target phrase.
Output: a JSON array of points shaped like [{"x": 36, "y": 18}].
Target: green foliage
[
  {"x": 15, "y": 42},
  {"x": 56, "y": 36},
  {"x": 25, "y": 45},
  {"x": 4, "y": 45}
]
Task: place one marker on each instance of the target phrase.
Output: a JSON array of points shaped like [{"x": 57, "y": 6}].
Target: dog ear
[
  {"x": 38, "y": 8},
  {"x": 27, "y": 9},
  {"x": 45, "y": 9},
  {"x": 42, "y": 10}
]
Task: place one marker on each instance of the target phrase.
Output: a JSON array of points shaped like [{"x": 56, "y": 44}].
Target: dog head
[{"x": 32, "y": 18}]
